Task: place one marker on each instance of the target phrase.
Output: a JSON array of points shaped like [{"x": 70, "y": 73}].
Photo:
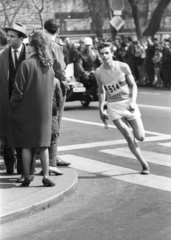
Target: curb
[{"x": 42, "y": 205}]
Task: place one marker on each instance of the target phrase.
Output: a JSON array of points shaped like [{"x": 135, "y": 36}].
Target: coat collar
[{"x": 5, "y": 57}]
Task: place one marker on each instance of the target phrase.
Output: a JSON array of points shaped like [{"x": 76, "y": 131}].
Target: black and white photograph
[{"x": 85, "y": 119}]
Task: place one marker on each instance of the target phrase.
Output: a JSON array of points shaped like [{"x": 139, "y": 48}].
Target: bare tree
[
  {"x": 156, "y": 18},
  {"x": 136, "y": 17},
  {"x": 40, "y": 10},
  {"x": 10, "y": 11},
  {"x": 95, "y": 8}
]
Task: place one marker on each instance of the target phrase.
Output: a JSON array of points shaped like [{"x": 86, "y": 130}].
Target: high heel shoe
[
  {"x": 26, "y": 182},
  {"x": 55, "y": 170},
  {"x": 21, "y": 179},
  {"x": 47, "y": 182},
  {"x": 32, "y": 177}
]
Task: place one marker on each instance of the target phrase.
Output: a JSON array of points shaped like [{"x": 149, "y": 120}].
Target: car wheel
[{"x": 85, "y": 103}]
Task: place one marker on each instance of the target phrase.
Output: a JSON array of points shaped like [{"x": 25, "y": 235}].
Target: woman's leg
[
  {"x": 33, "y": 162},
  {"x": 44, "y": 157},
  {"x": 26, "y": 158},
  {"x": 127, "y": 132}
]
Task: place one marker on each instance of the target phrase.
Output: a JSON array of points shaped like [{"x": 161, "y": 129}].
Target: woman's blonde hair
[{"x": 40, "y": 41}]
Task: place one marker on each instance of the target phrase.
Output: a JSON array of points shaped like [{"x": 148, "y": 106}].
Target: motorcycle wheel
[{"x": 85, "y": 103}]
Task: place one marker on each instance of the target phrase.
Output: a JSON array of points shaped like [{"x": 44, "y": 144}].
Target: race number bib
[{"x": 113, "y": 88}]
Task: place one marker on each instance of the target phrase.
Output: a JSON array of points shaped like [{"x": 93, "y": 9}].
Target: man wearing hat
[
  {"x": 10, "y": 60},
  {"x": 87, "y": 62}
]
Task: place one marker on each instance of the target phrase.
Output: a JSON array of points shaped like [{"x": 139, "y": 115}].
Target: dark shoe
[
  {"x": 32, "y": 177},
  {"x": 47, "y": 182},
  {"x": 10, "y": 171},
  {"x": 56, "y": 172},
  {"x": 26, "y": 182},
  {"x": 9, "y": 159},
  {"x": 21, "y": 179},
  {"x": 60, "y": 162},
  {"x": 145, "y": 170}
]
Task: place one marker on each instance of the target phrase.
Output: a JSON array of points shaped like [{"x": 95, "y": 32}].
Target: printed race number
[{"x": 113, "y": 88}]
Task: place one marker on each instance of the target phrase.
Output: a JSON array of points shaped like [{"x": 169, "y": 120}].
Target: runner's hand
[
  {"x": 104, "y": 116},
  {"x": 131, "y": 107}
]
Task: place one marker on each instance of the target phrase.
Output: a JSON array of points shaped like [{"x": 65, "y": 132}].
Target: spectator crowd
[{"x": 149, "y": 58}]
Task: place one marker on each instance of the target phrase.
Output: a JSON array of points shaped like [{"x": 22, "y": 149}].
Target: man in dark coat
[
  {"x": 10, "y": 60},
  {"x": 59, "y": 68},
  {"x": 166, "y": 64},
  {"x": 87, "y": 62}
]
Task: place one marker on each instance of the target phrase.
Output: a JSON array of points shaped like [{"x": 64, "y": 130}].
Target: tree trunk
[
  {"x": 97, "y": 21},
  {"x": 155, "y": 22},
  {"x": 136, "y": 17},
  {"x": 96, "y": 15}
]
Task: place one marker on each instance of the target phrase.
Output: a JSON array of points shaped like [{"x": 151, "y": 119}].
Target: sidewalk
[{"x": 17, "y": 201}]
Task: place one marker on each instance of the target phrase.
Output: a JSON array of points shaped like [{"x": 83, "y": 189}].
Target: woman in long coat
[{"x": 31, "y": 106}]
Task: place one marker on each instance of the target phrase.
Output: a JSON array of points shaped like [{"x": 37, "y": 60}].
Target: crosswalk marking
[
  {"x": 149, "y": 93},
  {"x": 161, "y": 136},
  {"x": 155, "y": 107},
  {"x": 116, "y": 172},
  {"x": 108, "y": 143},
  {"x": 167, "y": 136},
  {"x": 168, "y": 144},
  {"x": 86, "y": 122},
  {"x": 152, "y": 157}
]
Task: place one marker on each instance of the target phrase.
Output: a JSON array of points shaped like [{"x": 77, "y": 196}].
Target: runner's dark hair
[{"x": 104, "y": 45}]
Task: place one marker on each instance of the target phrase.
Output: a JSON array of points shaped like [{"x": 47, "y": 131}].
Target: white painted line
[
  {"x": 107, "y": 143},
  {"x": 153, "y": 181},
  {"x": 90, "y": 145},
  {"x": 87, "y": 122},
  {"x": 149, "y": 93},
  {"x": 110, "y": 126},
  {"x": 165, "y": 144},
  {"x": 120, "y": 173},
  {"x": 157, "y": 133},
  {"x": 155, "y": 107},
  {"x": 152, "y": 157}
]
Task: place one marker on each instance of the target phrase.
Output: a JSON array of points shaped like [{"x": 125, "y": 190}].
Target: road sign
[
  {"x": 117, "y": 5},
  {"x": 118, "y": 13},
  {"x": 117, "y": 22}
]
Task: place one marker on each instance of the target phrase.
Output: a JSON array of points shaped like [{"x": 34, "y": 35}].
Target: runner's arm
[
  {"x": 102, "y": 97},
  {"x": 132, "y": 84}
]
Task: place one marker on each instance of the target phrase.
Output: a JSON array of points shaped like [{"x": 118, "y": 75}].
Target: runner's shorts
[{"x": 119, "y": 109}]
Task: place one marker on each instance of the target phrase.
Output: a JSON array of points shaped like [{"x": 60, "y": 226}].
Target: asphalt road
[{"x": 113, "y": 201}]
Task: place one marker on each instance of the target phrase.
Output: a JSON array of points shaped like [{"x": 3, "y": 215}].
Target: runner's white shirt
[{"x": 114, "y": 81}]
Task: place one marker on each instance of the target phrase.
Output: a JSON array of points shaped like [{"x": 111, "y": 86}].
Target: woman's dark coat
[{"x": 31, "y": 106}]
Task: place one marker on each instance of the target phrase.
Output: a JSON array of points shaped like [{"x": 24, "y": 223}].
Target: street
[{"x": 113, "y": 200}]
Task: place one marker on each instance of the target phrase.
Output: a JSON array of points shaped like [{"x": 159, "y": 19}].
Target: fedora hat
[{"x": 18, "y": 27}]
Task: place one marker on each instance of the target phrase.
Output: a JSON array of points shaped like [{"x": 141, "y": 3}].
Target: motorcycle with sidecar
[{"x": 85, "y": 93}]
